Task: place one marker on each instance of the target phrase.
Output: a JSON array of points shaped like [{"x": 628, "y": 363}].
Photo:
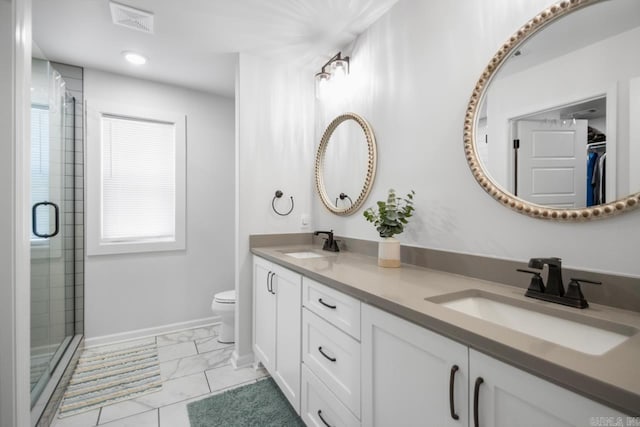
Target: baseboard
[
  {"x": 241, "y": 361},
  {"x": 150, "y": 332}
]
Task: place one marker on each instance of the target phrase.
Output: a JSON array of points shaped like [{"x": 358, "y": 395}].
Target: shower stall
[{"x": 56, "y": 218}]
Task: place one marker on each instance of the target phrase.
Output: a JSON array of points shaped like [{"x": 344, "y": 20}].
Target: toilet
[{"x": 224, "y": 305}]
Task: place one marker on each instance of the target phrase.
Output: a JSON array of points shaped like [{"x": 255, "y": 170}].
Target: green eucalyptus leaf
[{"x": 391, "y": 216}]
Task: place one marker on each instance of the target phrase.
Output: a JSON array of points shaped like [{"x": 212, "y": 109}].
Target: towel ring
[
  {"x": 273, "y": 203},
  {"x": 343, "y": 196}
]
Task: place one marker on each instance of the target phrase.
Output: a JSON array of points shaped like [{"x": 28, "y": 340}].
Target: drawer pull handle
[
  {"x": 454, "y": 369},
  {"x": 333, "y": 359},
  {"x": 268, "y": 278},
  {"x": 271, "y": 283},
  {"x": 322, "y": 419},
  {"x": 333, "y": 307},
  {"x": 476, "y": 395}
]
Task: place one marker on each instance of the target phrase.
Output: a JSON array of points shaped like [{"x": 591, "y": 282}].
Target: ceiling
[{"x": 195, "y": 43}]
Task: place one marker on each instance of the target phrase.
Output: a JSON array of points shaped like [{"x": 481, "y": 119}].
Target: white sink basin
[
  {"x": 304, "y": 255},
  {"x": 574, "y": 334}
]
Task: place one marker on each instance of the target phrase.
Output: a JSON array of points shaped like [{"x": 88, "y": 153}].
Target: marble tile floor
[{"x": 193, "y": 365}]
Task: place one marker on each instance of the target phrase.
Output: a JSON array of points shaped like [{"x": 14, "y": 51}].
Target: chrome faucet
[{"x": 330, "y": 244}]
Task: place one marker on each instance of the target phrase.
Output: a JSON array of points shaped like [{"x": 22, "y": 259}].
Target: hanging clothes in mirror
[{"x": 596, "y": 167}]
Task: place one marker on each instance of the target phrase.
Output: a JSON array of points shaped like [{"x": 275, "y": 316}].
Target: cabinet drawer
[
  {"x": 337, "y": 308},
  {"x": 320, "y": 407},
  {"x": 334, "y": 357}
]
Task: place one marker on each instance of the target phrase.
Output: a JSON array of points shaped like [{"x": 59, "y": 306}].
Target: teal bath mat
[{"x": 258, "y": 404}]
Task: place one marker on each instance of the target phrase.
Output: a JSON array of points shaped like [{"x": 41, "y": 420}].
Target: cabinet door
[
  {"x": 406, "y": 374},
  {"x": 264, "y": 314},
  {"x": 509, "y": 397},
  {"x": 287, "y": 286}
]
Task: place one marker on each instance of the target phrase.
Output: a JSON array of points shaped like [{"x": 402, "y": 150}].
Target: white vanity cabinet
[
  {"x": 277, "y": 294},
  {"x": 407, "y": 379},
  {"x": 410, "y": 375},
  {"x": 507, "y": 396},
  {"x": 331, "y": 357},
  {"x": 341, "y": 362}
]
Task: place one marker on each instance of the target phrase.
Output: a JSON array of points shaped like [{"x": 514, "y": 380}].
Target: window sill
[{"x": 139, "y": 246}]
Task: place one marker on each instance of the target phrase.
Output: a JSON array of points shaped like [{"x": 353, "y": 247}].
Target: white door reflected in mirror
[{"x": 550, "y": 162}]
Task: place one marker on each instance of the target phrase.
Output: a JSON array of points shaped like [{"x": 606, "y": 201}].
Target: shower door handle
[{"x": 34, "y": 218}]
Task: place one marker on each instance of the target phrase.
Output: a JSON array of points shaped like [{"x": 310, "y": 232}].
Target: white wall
[
  {"x": 412, "y": 74},
  {"x": 274, "y": 151},
  {"x": 137, "y": 291}
]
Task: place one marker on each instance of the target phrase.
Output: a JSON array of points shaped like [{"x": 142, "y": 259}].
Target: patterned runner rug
[{"x": 109, "y": 376}]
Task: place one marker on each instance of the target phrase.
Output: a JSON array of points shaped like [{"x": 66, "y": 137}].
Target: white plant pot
[{"x": 389, "y": 252}]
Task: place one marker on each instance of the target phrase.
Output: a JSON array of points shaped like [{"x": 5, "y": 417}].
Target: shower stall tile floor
[{"x": 193, "y": 365}]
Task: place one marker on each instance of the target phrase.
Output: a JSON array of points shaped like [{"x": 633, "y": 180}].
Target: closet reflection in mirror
[{"x": 555, "y": 125}]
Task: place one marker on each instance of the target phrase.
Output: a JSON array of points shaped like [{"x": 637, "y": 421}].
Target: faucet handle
[
  {"x": 536, "y": 284},
  {"x": 575, "y": 292},
  {"x": 593, "y": 282}
]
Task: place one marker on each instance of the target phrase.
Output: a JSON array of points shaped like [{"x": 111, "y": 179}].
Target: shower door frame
[{"x": 15, "y": 110}]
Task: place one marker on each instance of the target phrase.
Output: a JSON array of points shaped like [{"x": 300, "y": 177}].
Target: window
[
  {"x": 136, "y": 180},
  {"x": 40, "y": 167}
]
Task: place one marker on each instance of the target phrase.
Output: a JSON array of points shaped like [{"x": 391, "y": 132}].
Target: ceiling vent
[{"x": 130, "y": 17}]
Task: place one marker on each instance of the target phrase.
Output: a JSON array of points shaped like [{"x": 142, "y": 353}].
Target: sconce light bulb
[
  {"x": 340, "y": 68},
  {"x": 322, "y": 81}
]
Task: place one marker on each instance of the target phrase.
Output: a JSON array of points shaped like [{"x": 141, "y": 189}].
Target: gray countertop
[{"x": 612, "y": 378}]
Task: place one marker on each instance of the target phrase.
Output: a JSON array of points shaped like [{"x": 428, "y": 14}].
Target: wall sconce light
[{"x": 335, "y": 69}]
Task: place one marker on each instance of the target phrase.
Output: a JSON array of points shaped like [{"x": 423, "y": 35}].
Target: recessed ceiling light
[{"x": 134, "y": 58}]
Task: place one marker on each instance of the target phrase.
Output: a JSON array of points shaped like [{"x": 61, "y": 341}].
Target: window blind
[
  {"x": 138, "y": 173},
  {"x": 40, "y": 166}
]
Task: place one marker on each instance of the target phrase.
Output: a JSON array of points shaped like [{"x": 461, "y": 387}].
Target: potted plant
[{"x": 390, "y": 219}]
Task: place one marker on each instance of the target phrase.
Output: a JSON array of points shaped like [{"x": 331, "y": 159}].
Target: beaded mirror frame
[
  {"x": 505, "y": 198},
  {"x": 371, "y": 164}
]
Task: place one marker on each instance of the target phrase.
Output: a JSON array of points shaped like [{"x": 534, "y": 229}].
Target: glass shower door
[{"x": 51, "y": 283}]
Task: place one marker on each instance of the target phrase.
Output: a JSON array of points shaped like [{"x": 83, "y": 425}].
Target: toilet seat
[{"x": 226, "y": 297}]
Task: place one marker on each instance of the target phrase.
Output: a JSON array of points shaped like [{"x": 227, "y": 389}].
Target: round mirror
[
  {"x": 346, "y": 164},
  {"x": 551, "y": 129}
]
